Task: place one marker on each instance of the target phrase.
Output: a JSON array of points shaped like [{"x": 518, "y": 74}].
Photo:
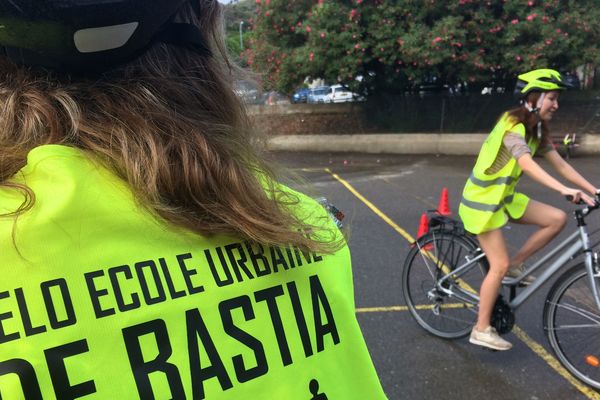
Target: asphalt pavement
[{"x": 383, "y": 197}]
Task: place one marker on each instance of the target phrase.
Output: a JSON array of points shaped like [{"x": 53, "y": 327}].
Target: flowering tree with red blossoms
[{"x": 392, "y": 44}]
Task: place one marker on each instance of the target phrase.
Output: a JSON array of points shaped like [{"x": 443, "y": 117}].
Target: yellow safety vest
[
  {"x": 100, "y": 300},
  {"x": 488, "y": 198}
]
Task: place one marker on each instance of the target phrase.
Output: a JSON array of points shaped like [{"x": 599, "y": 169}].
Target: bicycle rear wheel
[
  {"x": 447, "y": 315},
  {"x": 572, "y": 323}
]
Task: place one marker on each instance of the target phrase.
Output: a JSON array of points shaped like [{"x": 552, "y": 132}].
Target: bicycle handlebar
[{"x": 587, "y": 209}]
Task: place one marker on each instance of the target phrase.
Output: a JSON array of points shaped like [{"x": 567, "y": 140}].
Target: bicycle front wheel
[
  {"x": 443, "y": 308},
  {"x": 572, "y": 323}
]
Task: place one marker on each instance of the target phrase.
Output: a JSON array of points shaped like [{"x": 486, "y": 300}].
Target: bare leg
[
  {"x": 492, "y": 243},
  {"x": 551, "y": 220}
]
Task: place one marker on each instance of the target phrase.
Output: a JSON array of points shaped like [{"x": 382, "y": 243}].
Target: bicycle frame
[{"x": 576, "y": 242}]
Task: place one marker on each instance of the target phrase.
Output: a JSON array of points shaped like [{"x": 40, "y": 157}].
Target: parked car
[
  {"x": 318, "y": 94},
  {"x": 300, "y": 96},
  {"x": 341, "y": 94}
]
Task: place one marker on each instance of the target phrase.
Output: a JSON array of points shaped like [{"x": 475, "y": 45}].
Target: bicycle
[{"x": 444, "y": 270}]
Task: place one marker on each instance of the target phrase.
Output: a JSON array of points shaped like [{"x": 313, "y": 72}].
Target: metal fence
[{"x": 438, "y": 113}]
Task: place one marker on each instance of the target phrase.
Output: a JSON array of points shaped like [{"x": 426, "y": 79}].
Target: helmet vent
[{"x": 93, "y": 40}]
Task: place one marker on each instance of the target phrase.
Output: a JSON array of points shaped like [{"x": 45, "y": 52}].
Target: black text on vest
[{"x": 207, "y": 361}]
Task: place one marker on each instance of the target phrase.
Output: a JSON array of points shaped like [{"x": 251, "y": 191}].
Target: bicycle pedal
[{"x": 511, "y": 282}]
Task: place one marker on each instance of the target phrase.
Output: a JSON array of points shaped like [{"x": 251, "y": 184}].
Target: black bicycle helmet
[{"x": 88, "y": 35}]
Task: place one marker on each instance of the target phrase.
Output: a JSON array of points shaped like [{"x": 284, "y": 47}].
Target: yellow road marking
[
  {"x": 381, "y": 309},
  {"x": 405, "y": 308},
  {"x": 534, "y": 346},
  {"x": 555, "y": 364},
  {"x": 311, "y": 169},
  {"x": 387, "y": 219},
  {"x": 372, "y": 207}
]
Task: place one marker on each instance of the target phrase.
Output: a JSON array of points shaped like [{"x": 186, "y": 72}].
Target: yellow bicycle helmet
[{"x": 539, "y": 80}]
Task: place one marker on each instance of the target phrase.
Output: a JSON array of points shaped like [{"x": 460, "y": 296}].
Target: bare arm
[
  {"x": 568, "y": 172},
  {"x": 537, "y": 173}
]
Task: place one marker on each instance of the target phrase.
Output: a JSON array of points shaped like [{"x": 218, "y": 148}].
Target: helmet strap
[
  {"x": 538, "y": 105},
  {"x": 538, "y": 108},
  {"x": 540, "y": 101}
]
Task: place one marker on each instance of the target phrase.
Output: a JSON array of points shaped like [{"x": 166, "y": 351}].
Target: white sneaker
[
  {"x": 489, "y": 338},
  {"x": 517, "y": 271}
]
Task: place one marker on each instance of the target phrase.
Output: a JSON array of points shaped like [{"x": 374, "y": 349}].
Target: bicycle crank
[{"x": 503, "y": 317}]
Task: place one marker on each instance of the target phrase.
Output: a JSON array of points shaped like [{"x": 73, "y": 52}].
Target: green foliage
[
  {"x": 239, "y": 16},
  {"x": 243, "y": 10},
  {"x": 393, "y": 45}
]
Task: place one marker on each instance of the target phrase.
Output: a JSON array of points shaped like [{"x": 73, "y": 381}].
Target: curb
[{"x": 405, "y": 143}]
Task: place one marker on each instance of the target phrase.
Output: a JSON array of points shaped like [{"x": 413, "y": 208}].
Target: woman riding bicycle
[{"x": 490, "y": 200}]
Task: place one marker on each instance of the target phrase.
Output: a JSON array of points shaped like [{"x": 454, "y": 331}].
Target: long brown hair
[
  {"x": 170, "y": 124},
  {"x": 529, "y": 120}
]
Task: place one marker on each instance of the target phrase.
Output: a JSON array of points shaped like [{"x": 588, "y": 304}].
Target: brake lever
[{"x": 570, "y": 199}]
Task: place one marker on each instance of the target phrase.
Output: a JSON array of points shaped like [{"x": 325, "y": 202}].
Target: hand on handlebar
[{"x": 576, "y": 196}]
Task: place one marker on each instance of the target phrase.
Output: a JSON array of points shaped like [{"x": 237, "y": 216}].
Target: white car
[
  {"x": 340, "y": 94},
  {"x": 318, "y": 95}
]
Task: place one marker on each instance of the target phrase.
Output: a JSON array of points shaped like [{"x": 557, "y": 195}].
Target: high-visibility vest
[
  {"x": 488, "y": 197},
  {"x": 101, "y": 300}
]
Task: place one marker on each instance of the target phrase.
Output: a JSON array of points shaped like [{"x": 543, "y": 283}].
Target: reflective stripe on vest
[
  {"x": 487, "y": 207},
  {"x": 503, "y": 180}
]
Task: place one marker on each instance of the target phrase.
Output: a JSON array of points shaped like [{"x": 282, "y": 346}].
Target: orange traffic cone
[
  {"x": 423, "y": 229},
  {"x": 444, "y": 206},
  {"x": 423, "y": 225}
]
